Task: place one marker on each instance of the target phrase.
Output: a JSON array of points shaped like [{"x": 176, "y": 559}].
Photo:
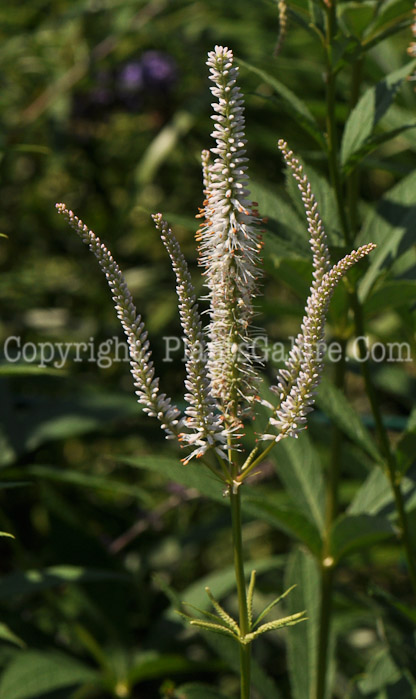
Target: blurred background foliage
[{"x": 104, "y": 104}]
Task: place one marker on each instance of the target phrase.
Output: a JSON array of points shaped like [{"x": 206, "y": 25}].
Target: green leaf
[
  {"x": 250, "y": 595},
  {"x": 162, "y": 145},
  {"x": 291, "y": 620},
  {"x": 388, "y": 601},
  {"x": 272, "y": 604},
  {"x": 391, "y": 227},
  {"x": 226, "y": 618},
  {"x": 151, "y": 665},
  {"x": 391, "y": 294},
  {"x": 372, "y": 143},
  {"x": 287, "y": 518},
  {"x": 13, "y": 484},
  {"x": 31, "y": 581},
  {"x": 86, "y": 480},
  {"x": 45, "y": 419},
  {"x": 374, "y": 495},
  {"x": 8, "y": 535},
  {"x": 32, "y": 674},
  {"x": 7, "y": 634},
  {"x": 405, "y": 451},
  {"x": 316, "y": 14},
  {"x": 29, "y": 370},
  {"x": 382, "y": 673},
  {"x": 217, "y": 628},
  {"x": 286, "y": 232},
  {"x": 226, "y": 648},
  {"x": 386, "y": 19},
  {"x": 196, "y": 690},
  {"x": 302, "y": 640},
  {"x": 298, "y": 468},
  {"x": 221, "y": 583},
  {"x": 369, "y": 110},
  {"x": 295, "y": 107},
  {"x": 334, "y": 404},
  {"x": 208, "y": 615},
  {"x": 192, "y": 476},
  {"x": 353, "y": 532}
]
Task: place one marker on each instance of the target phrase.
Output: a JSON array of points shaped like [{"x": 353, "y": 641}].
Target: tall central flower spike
[{"x": 229, "y": 247}]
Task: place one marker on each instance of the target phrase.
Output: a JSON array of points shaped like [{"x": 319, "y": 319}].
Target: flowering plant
[{"x": 221, "y": 376}]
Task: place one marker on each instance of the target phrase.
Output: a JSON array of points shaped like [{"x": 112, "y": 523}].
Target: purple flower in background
[
  {"x": 159, "y": 70},
  {"x": 153, "y": 72},
  {"x": 148, "y": 78},
  {"x": 138, "y": 84},
  {"x": 131, "y": 77}
]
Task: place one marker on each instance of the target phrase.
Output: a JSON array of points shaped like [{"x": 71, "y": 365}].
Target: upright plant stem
[
  {"x": 327, "y": 563},
  {"x": 327, "y": 567},
  {"x": 245, "y": 650},
  {"x": 385, "y": 447},
  {"x": 332, "y": 140}
]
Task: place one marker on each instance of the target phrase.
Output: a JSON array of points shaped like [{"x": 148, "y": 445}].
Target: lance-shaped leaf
[
  {"x": 226, "y": 618},
  {"x": 275, "y": 625},
  {"x": 270, "y": 606},
  {"x": 368, "y": 112}
]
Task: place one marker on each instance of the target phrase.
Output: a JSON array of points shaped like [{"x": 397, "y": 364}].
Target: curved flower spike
[
  {"x": 298, "y": 395},
  {"x": 146, "y": 384},
  {"x": 320, "y": 259},
  {"x": 282, "y": 10},
  {"x": 206, "y": 427}
]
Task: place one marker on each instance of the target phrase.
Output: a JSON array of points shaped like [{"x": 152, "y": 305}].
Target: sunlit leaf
[
  {"x": 370, "y": 109},
  {"x": 296, "y": 108},
  {"x": 391, "y": 227},
  {"x": 162, "y": 145}
]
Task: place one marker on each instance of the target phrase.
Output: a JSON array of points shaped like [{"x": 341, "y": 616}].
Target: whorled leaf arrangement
[
  {"x": 224, "y": 624},
  {"x": 221, "y": 376}
]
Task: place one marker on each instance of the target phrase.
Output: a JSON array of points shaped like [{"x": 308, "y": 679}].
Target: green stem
[
  {"x": 245, "y": 650},
  {"x": 382, "y": 436},
  {"x": 393, "y": 474},
  {"x": 331, "y": 128},
  {"x": 326, "y": 590},
  {"x": 327, "y": 563}
]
